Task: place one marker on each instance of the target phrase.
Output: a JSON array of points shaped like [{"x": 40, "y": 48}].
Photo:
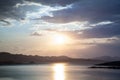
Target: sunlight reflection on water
[{"x": 59, "y": 71}]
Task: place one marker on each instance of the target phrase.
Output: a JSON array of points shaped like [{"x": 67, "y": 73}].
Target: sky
[{"x": 75, "y": 28}]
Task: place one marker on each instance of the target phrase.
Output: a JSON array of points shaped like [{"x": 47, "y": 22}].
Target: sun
[{"x": 60, "y": 39}]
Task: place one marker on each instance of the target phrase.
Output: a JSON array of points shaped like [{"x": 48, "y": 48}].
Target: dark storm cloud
[
  {"x": 89, "y": 10},
  {"x": 8, "y": 9}
]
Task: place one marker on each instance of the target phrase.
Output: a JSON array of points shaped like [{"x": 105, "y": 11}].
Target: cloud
[
  {"x": 71, "y": 26},
  {"x": 7, "y": 10},
  {"x": 61, "y": 11},
  {"x": 22, "y": 9},
  {"x": 36, "y": 34},
  {"x": 102, "y": 31},
  {"x": 95, "y": 48},
  {"x": 107, "y": 49},
  {"x": 93, "y": 23},
  {"x": 98, "y": 50},
  {"x": 102, "y": 23},
  {"x": 84, "y": 10},
  {"x": 54, "y": 2},
  {"x": 45, "y": 11},
  {"x": 27, "y": 3},
  {"x": 79, "y": 30},
  {"x": 5, "y": 22}
]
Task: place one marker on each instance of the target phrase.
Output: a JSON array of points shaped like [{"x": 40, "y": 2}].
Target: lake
[{"x": 58, "y": 71}]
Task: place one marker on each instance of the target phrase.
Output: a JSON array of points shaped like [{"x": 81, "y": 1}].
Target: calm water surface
[{"x": 56, "y": 72}]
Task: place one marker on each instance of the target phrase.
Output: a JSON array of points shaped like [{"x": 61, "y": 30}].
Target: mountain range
[
  {"x": 17, "y": 59},
  {"x": 108, "y": 58}
]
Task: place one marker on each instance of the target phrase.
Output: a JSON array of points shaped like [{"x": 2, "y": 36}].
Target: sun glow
[
  {"x": 60, "y": 39},
  {"x": 59, "y": 71}
]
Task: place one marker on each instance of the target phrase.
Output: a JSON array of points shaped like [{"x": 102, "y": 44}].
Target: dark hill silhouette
[
  {"x": 108, "y": 65},
  {"x": 10, "y": 59},
  {"x": 114, "y": 63},
  {"x": 108, "y": 58}
]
